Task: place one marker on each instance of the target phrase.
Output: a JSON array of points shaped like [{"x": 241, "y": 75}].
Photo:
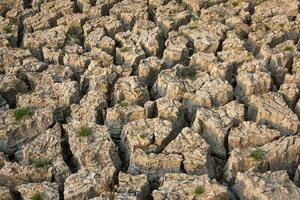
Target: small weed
[
  {"x": 74, "y": 38},
  {"x": 199, "y": 190},
  {"x": 124, "y": 49},
  {"x": 30, "y": 90},
  {"x": 21, "y": 113},
  {"x": 7, "y": 29},
  {"x": 42, "y": 163},
  {"x": 235, "y": 4},
  {"x": 177, "y": 8},
  {"x": 190, "y": 74},
  {"x": 36, "y": 196},
  {"x": 243, "y": 36},
  {"x": 180, "y": 33},
  {"x": 194, "y": 18},
  {"x": 14, "y": 170},
  {"x": 59, "y": 46},
  {"x": 199, "y": 166},
  {"x": 171, "y": 17},
  {"x": 193, "y": 25},
  {"x": 84, "y": 131},
  {"x": 124, "y": 104},
  {"x": 288, "y": 48},
  {"x": 143, "y": 136},
  {"x": 221, "y": 15},
  {"x": 257, "y": 155}
]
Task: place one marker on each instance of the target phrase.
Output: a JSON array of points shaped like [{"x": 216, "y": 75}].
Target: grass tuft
[
  {"x": 124, "y": 104},
  {"x": 124, "y": 49},
  {"x": 199, "y": 190},
  {"x": 199, "y": 166},
  {"x": 257, "y": 155},
  {"x": 195, "y": 18},
  {"x": 36, "y": 196},
  {"x": 7, "y": 29},
  {"x": 21, "y": 113},
  {"x": 193, "y": 25},
  {"x": 42, "y": 163},
  {"x": 288, "y": 48},
  {"x": 221, "y": 14},
  {"x": 74, "y": 38},
  {"x": 84, "y": 131},
  {"x": 235, "y": 4},
  {"x": 192, "y": 76},
  {"x": 143, "y": 136}
]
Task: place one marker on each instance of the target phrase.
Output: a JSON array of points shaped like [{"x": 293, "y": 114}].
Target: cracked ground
[{"x": 156, "y": 99}]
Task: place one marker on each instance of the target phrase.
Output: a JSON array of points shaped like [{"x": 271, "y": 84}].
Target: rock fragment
[
  {"x": 253, "y": 78},
  {"x": 44, "y": 190},
  {"x": 214, "y": 128},
  {"x": 91, "y": 108},
  {"x": 89, "y": 142},
  {"x": 176, "y": 49},
  {"x": 184, "y": 186},
  {"x": 149, "y": 69},
  {"x": 171, "y": 16},
  {"x": 131, "y": 91},
  {"x": 251, "y": 134},
  {"x": 89, "y": 183},
  {"x": 174, "y": 83},
  {"x": 129, "y": 12},
  {"x": 154, "y": 165},
  {"x": 14, "y": 174},
  {"x": 54, "y": 37},
  {"x": 195, "y": 151},
  {"x": 121, "y": 114},
  {"x": 171, "y": 110},
  {"x": 133, "y": 186},
  {"x": 46, "y": 150},
  {"x": 269, "y": 185},
  {"x": 270, "y": 109},
  {"x": 151, "y": 135},
  {"x": 281, "y": 154}
]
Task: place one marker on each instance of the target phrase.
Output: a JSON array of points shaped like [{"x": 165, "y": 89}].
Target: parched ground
[{"x": 157, "y": 99}]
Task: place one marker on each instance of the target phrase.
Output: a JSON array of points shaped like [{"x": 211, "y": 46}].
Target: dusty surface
[{"x": 158, "y": 99}]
